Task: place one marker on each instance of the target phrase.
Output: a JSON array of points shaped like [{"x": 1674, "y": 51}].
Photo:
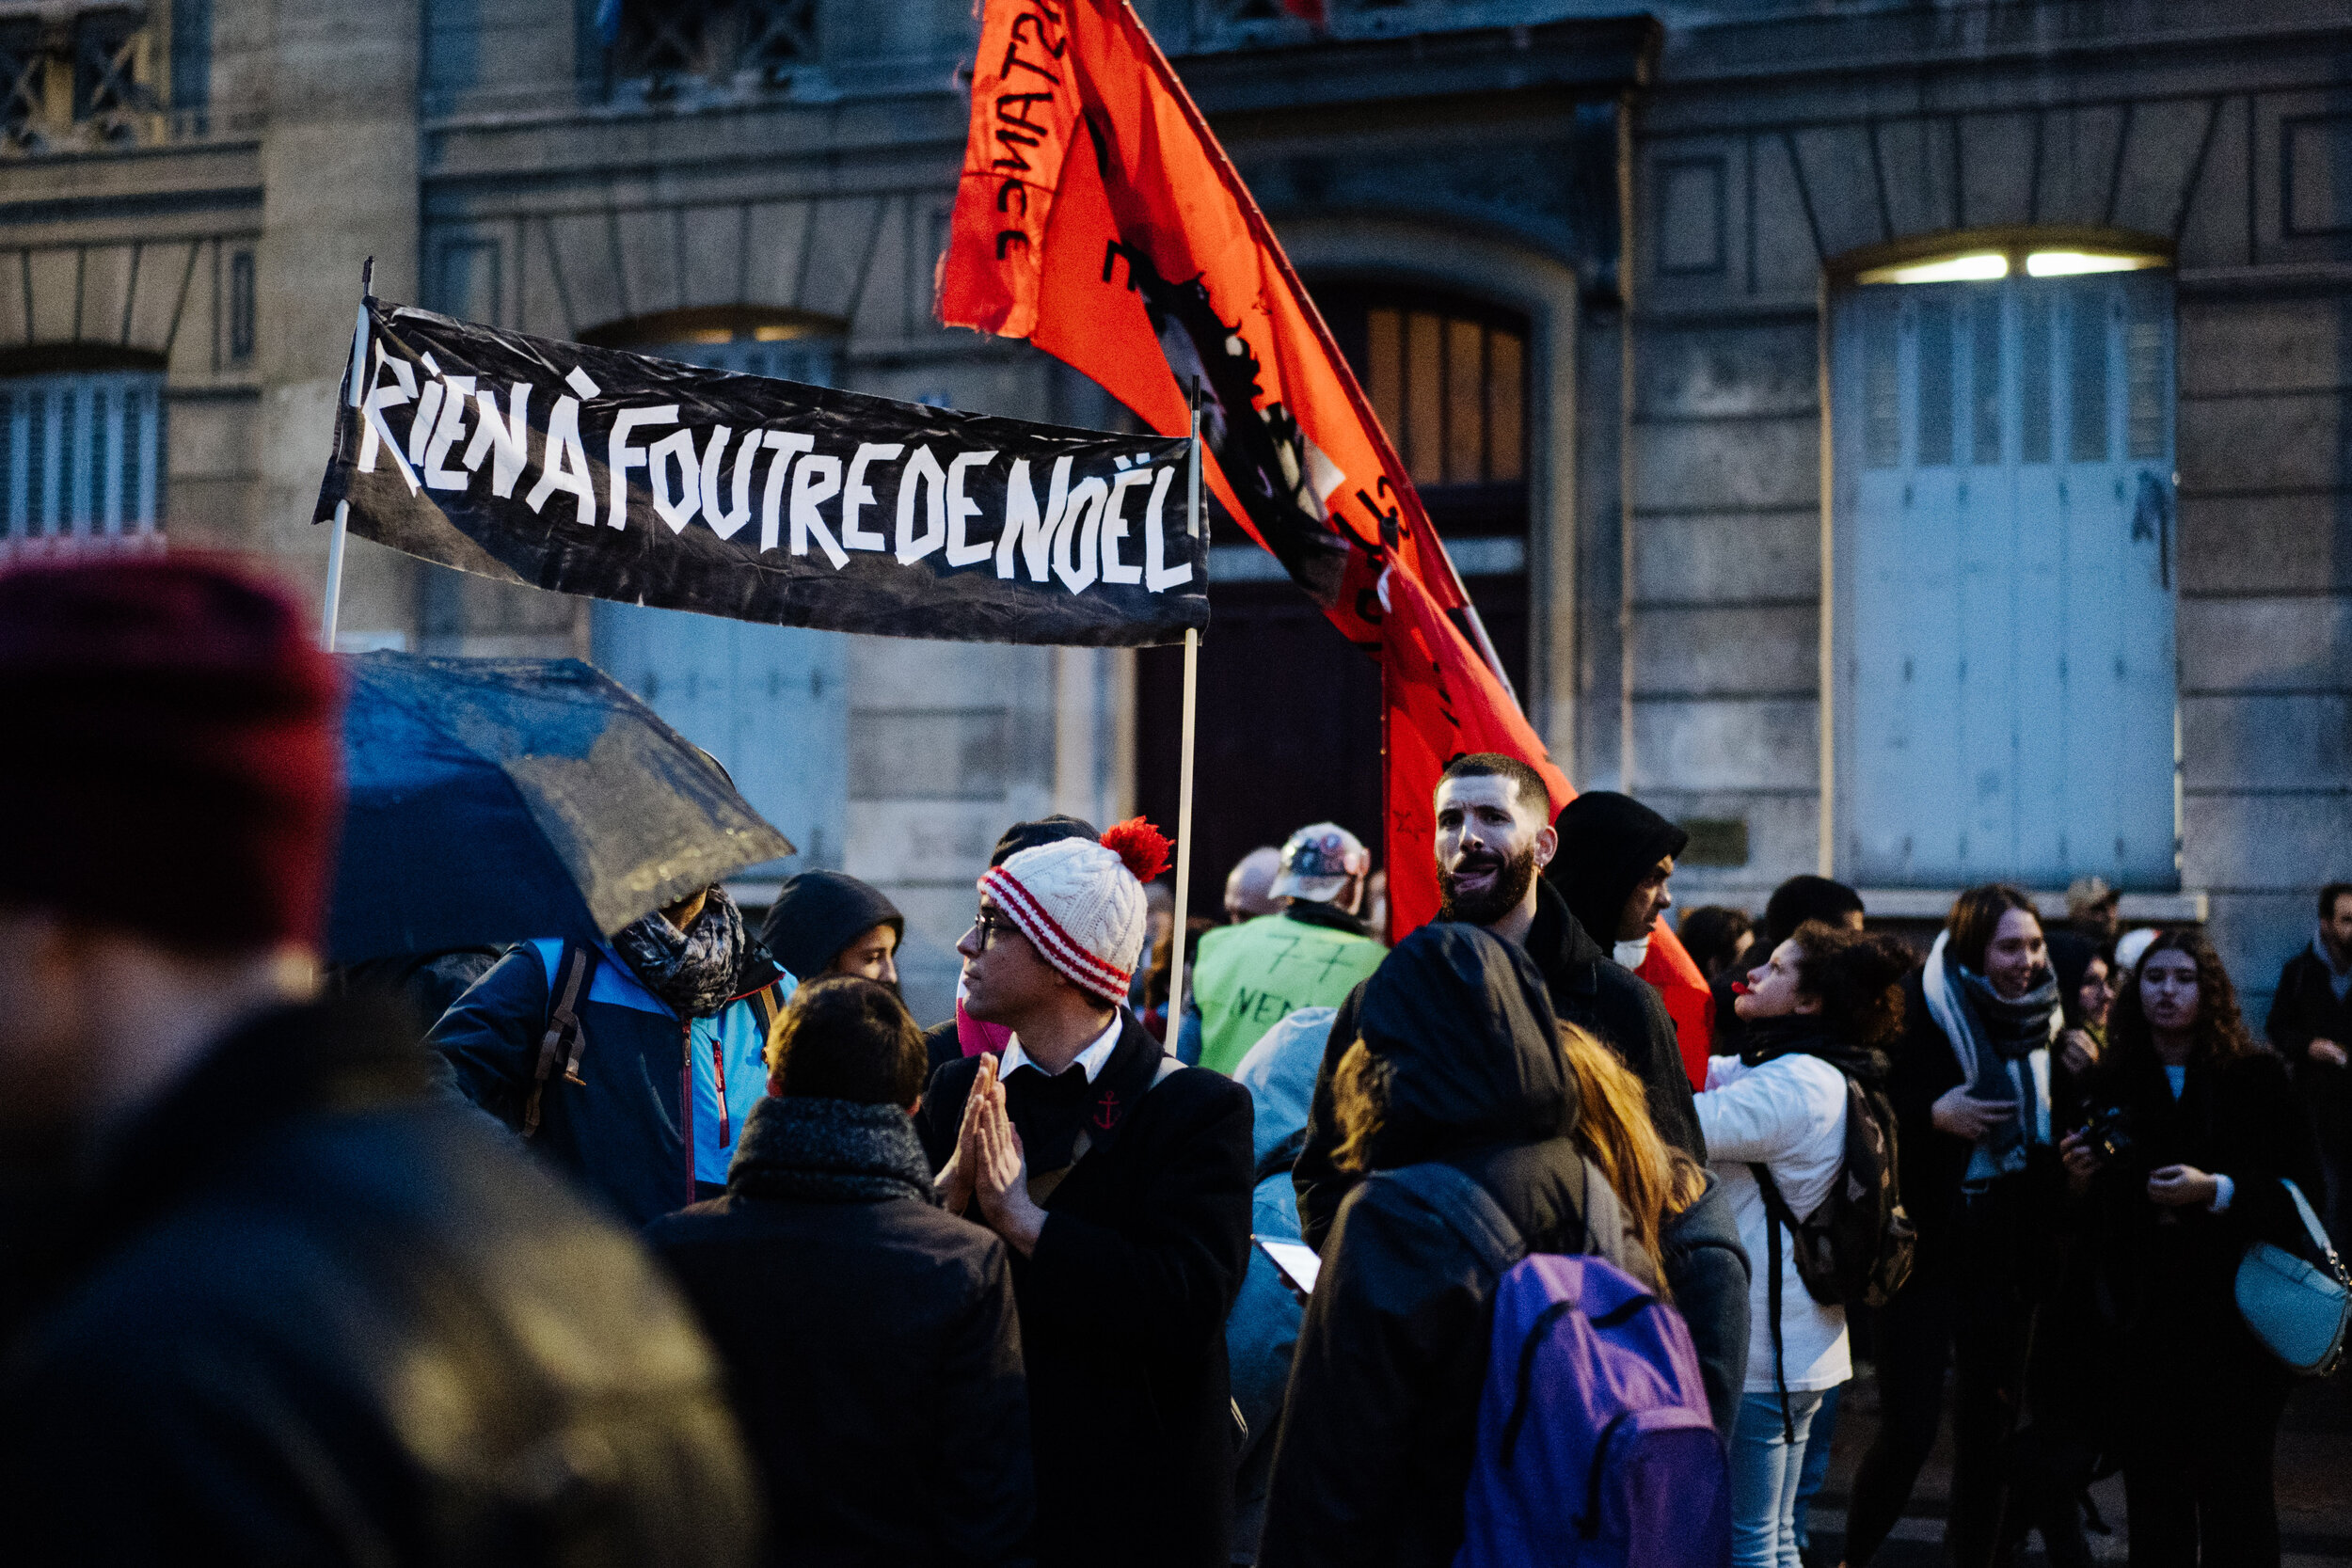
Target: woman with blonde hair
[
  {"x": 1654, "y": 1181},
  {"x": 1456, "y": 1062}
]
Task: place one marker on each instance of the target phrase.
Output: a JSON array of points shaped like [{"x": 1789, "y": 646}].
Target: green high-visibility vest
[{"x": 1249, "y": 977}]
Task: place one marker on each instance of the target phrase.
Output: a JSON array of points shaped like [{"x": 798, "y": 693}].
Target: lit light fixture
[
  {"x": 1977, "y": 267},
  {"x": 2071, "y": 263}
]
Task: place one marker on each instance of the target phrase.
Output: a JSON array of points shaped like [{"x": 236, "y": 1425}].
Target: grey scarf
[
  {"x": 692, "y": 971},
  {"x": 2006, "y": 1033},
  {"x": 830, "y": 1151}
]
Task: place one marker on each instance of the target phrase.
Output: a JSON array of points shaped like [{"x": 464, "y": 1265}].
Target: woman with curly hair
[
  {"x": 2210, "y": 1134},
  {"x": 1819, "y": 1010}
]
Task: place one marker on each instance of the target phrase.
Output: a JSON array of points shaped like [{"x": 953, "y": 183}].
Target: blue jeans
[
  {"x": 1816, "y": 1470},
  {"x": 1765, "y": 1468}
]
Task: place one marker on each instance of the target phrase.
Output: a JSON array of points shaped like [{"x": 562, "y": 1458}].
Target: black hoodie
[
  {"x": 1587, "y": 989},
  {"x": 1608, "y": 843},
  {"x": 1704, "y": 1264},
  {"x": 1375, "y": 1445},
  {"x": 817, "y": 914}
]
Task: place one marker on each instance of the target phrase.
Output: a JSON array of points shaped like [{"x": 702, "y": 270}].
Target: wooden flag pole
[
  {"x": 1183, "y": 777},
  {"x": 342, "y": 507}
]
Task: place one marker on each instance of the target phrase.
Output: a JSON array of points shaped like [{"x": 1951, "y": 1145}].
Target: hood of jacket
[
  {"x": 1463, "y": 1021},
  {"x": 1608, "y": 843},
  {"x": 817, "y": 914}
]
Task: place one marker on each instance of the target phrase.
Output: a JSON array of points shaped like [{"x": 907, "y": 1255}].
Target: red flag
[
  {"x": 1098, "y": 217},
  {"x": 1675, "y": 974}
]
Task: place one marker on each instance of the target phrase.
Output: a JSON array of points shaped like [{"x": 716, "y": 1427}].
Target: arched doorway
[{"x": 1290, "y": 714}]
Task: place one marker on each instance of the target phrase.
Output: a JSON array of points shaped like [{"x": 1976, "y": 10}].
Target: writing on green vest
[{"x": 1249, "y": 977}]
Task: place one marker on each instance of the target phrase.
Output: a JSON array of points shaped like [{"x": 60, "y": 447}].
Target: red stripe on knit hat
[{"x": 1060, "y": 949}]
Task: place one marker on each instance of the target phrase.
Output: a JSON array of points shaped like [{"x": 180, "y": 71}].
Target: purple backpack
[{"x": 1596, "y": 1447}]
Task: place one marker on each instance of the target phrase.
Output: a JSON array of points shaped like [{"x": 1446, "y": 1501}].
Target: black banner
[{"x": 594, "y": 472}]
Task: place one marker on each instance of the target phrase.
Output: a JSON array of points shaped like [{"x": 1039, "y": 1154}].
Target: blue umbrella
[{"x": 496, "y": 800}]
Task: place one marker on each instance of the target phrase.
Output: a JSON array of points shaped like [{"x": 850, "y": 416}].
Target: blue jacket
[{"x": 646, "y": 1126}]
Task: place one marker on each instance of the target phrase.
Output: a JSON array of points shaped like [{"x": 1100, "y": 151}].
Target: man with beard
[
  {"x": 660, "y": 1034},
  {"x": 1494, "y": 836}
]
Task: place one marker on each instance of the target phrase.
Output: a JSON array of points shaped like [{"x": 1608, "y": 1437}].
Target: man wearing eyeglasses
[{"x": 1121, "y": 1182}]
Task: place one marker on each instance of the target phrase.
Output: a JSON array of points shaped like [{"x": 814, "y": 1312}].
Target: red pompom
[{"x": 1144, "y": 847}]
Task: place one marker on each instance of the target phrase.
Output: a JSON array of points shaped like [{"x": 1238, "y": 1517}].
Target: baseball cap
[{"x": 1317, "y": 861}]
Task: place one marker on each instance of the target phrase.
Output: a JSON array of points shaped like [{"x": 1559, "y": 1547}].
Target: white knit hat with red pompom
[{"x": 1080, "y": 902}]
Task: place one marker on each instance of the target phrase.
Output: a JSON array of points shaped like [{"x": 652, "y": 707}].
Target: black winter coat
[
  {"x": 2169, "y": 1272},
  {"x": 1380, "y": 1427},
  {"x": 1123, "y": 1312},
  {"x": 1706, "y": 1267},
  {"x": 307, "y": 1312},
  {"x": 2305, "y": 1008},
  {"x": 1588, "y": 989},
  {"x": 1930, "y": 1163},
  {"x": 1709, "y": 1271},
  {"x": 870, "y": 1343}
]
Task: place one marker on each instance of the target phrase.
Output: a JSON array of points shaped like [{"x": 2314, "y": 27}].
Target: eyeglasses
[{"x": 991, "y": 926}]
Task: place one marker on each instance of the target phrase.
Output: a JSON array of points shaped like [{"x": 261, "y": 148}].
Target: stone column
[{"x": 339, "y": 166}]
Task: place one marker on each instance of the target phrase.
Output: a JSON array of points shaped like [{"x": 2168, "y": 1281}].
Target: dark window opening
[
  {"x": 664, "y": 45},
  {"x": 1289, "y": 725},
  {"x": 241, "y": 305}
]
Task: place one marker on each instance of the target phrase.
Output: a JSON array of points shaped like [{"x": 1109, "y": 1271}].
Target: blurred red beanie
[{"x": 169, "y": 752}]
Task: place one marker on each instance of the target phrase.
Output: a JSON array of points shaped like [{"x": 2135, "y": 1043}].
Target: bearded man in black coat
[
  {"x": 1494, "y": 837},
  {"x": 263, "y": 1296},
  {"x": 1121, "y": 1181}
]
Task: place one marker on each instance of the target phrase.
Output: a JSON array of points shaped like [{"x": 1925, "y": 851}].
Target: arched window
[
  {"x": 771, "y": 703},
  {"x": 2004, "y": 566},
  {"x": 1448, "y": 377},
  {"x": 81, "y": 448}
]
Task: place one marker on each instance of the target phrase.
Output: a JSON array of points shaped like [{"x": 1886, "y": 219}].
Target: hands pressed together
[{"x": 989, "y": 1166}]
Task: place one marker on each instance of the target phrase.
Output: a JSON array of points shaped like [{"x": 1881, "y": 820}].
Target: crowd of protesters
[{"x": 690, "y": 1244}]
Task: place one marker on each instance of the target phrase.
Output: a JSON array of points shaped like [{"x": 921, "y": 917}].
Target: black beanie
[
  {"x": 1045, "y": 829},
  {"x": 1608, "y": 843},
  {"x": 817, "y": 914}
]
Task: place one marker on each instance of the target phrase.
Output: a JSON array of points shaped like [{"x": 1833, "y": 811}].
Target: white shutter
[{"x": 2004, "y": 603}]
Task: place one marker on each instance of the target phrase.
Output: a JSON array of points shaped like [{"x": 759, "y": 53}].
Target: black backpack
[{"x": 1857, "y": 1247}]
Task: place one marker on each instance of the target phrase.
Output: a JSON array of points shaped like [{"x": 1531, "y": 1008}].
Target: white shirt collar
[{"x": 1090, "y": 1060}]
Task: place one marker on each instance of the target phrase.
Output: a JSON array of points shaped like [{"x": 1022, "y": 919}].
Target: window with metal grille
[
  {"x": 88, "y": 73},
  {"x": 81, "y": 456},
  {"x": 716, "y": 40}
]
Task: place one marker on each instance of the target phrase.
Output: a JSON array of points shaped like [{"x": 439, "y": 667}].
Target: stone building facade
[{"x": 1792, "y": 516}]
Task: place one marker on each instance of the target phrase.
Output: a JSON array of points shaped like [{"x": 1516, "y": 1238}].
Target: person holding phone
[{"x": 2189, "y": 1168}]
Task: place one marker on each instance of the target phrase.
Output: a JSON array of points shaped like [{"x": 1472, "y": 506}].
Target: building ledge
[{"x": 2187, "y": 907}]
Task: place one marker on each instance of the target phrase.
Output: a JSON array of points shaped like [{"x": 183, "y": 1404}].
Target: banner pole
[
  {"x": 333, "y": 610},
  {"x": 1184, "y": 766}
]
